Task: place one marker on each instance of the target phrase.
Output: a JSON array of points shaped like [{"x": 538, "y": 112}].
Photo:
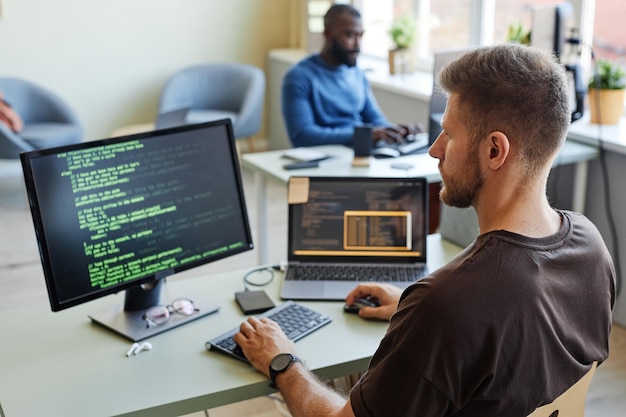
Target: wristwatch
[{"x": 279, "y": 364}]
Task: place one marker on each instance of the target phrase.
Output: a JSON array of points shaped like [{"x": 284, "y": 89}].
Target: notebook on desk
[
  {"x": 172, "y": 117},
  {"x": 343, "y": 230}
]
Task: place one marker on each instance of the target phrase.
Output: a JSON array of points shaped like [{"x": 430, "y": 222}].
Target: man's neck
[
  {"x": 522, "y": 209},
  {"x": 328, "y": 59}
]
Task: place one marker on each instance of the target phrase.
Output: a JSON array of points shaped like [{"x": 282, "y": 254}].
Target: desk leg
[
  {"x": 260, "y": 182},
  {"x": 580, "y": 187}
]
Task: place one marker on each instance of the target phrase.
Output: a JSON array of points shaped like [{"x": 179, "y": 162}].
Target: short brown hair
[{"x": 515, "y": 89}]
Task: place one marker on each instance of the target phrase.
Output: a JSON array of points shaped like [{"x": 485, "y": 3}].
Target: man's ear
[{"x": 498, "y": 147}]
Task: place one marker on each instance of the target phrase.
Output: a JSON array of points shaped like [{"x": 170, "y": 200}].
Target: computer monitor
[
  {"x": 121, "y": 214},
  {"x": 552, "y": 27},
  {"x": 554, "y": 30}
]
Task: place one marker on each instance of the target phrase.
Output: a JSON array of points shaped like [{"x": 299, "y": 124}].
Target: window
[
  {"x": 448, "y": 24},
  {"x": 609, "y": 34},
  {"x": 316, "y": 9},
  {"x": 441, "y": 24}
]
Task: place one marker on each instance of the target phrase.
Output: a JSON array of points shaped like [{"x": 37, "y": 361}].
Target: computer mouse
[
  {"x": 385, "y": 152},
  {"x": 359, "y": 303}
]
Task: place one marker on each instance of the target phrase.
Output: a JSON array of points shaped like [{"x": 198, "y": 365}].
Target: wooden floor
[{"x": 22, "y": 284}]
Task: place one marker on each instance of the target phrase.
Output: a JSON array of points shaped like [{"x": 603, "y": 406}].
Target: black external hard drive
[{"x": 253, "y": 302}]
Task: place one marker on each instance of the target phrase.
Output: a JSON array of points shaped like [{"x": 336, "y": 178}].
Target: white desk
[
  {"x": 60, "y": 364},
  {"x": 611, "y": 137},
  {"x": 269, "y": 165}
]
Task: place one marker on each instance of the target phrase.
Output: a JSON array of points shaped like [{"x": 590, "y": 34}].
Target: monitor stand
[
  {"x": 132, "y": 326},
  {"x": 128, "y": 320}
]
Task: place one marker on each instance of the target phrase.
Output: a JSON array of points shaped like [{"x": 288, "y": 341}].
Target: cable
[
  {"x": 573, "y": 41},
  {"x": 605, "y": 178},
  {"x": 247, "y": 281}
]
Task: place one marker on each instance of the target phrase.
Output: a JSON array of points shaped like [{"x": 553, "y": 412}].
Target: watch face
[{"x": 280, "y": 362}]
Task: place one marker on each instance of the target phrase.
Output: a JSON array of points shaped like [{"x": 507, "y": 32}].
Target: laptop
[
  {"x": 345, "y": 229},
  {"x": 172, "y": 117}
]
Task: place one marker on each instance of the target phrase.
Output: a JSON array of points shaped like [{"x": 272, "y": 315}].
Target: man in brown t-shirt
[{"x": 523, "y": 312}]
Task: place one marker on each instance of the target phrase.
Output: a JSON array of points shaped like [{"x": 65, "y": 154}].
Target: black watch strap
[{"x": 280, "y": 364}]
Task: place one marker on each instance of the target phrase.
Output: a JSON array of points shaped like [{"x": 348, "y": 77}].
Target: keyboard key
[
  {"x": 356, "y": 273},
  {"x": 296, "y": 320}
]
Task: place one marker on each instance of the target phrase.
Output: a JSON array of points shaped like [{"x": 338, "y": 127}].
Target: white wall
[{"x": 110, "y": 58}]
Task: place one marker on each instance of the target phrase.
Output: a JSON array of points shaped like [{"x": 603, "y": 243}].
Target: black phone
[
  {"x": 253, "y": 302},
  {"x": 302, "y": 165},
  {"x": 362, "y": 141}
]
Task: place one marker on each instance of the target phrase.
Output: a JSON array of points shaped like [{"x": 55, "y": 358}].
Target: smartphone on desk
[{"x": 302, "y": 165}]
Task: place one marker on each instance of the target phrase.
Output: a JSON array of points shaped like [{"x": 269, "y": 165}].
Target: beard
[
  {"x": 461, "y": 189},
  {"x": 342, "y": 54}
]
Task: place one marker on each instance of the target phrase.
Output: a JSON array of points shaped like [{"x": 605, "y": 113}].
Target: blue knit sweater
[{"x": 321, "y": 104}]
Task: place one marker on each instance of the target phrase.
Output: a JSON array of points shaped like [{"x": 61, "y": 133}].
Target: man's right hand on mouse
[{"x": 387, "y": 295}]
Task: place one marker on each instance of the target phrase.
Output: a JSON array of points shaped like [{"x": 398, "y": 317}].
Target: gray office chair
[
  {"x": 218, "y": 90},
  {"x": 48, "y": 120}
]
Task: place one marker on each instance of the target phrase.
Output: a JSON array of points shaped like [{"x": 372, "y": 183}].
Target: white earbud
[
  {"x": 136, "y": 348},
  {"x": 132, "y": 349},
  {"x": 142, "y": 347}
]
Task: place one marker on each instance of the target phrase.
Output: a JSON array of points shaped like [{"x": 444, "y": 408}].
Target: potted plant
[
  {"x": 606, "y": 93},
  {"x": 517, "y": 33},
  {"x": 403, "y": 32}
]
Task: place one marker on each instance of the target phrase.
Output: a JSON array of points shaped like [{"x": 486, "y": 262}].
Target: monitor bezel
[{"x": 26, "y": 158}]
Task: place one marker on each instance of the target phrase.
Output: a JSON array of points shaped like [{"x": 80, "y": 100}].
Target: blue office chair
[
  {"x": 48, "y": 120},
  {"x": 216, "y": 91}
]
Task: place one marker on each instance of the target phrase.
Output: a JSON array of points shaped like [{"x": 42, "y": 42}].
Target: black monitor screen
[{"x": 115, "y": 213}]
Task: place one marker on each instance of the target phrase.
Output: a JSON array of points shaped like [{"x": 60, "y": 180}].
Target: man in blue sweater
[{"x": 326, "y": 95}]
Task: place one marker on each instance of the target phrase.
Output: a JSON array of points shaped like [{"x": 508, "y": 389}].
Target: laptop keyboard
[
  {"x": 293, "y": 318},
  {"x": 355, "y": 272}
]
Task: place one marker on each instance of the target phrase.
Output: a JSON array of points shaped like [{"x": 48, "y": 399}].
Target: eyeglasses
[{"x": 158, "y": 315}]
